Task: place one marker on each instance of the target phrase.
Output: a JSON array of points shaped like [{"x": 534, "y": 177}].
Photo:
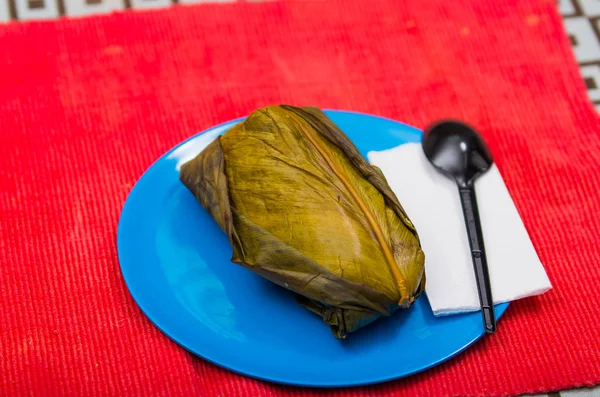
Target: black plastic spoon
[{"x": 459, "y": 152}]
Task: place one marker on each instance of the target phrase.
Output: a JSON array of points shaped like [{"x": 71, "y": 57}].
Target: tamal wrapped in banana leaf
[{"x": 305, "y": 210}]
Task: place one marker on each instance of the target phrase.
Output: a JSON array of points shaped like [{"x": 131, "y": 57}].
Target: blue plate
[{"x": 176, "y": 263}]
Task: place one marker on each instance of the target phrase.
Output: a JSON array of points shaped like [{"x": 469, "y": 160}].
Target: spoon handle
[{"x": 471, "y": 214}]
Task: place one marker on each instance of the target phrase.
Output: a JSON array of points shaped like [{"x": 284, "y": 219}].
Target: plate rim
[{"x": 500, "y": 308}]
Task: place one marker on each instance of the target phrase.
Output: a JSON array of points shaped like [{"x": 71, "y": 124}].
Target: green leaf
[{"x": 303, "y": 209}]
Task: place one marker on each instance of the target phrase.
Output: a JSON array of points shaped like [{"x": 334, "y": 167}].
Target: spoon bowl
[{"x": 457, "y": 150}]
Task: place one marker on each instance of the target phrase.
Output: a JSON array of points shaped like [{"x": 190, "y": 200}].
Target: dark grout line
[{"x": 12, "y": 9}]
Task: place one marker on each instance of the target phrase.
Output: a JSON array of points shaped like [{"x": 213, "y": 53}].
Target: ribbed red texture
[{"x": 87, "y": 105}]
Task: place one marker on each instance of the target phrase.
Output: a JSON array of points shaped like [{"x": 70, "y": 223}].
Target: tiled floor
[
  {"x": 582, "y": 23},
  {"x": 585, "y": 392}
]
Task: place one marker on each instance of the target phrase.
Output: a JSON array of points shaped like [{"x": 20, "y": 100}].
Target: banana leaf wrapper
[{"x": 303, "y": 209}]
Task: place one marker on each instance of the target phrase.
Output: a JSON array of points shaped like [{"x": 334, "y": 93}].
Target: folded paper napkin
[{"x": 433, "y": 204}]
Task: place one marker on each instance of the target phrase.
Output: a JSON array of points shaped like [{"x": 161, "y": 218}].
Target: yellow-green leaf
[{"x": 304, "y": 209}]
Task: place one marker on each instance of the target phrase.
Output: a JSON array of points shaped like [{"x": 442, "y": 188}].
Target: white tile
[
  {"x": 592, "y": 72},
  {"x": 585, "y": 392},
  {"x": 4, "y": 12},
  {"x": 587, "y": 47},
  {"x": 566, "y": 7},
  {"x": 590, "y": 8},
  {"x": 77, "y": 8},
  {"x": 143, "y": 4},
  {"x": 49, "y": 10}
]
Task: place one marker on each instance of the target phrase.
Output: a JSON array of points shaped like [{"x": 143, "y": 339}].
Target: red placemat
[{"x": 87, "y": 105}]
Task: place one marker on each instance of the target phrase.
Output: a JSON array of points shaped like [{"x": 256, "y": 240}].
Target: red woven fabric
[{"x": 87, "y": 105}]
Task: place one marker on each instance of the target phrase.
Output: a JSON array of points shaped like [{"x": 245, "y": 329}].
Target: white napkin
[{"x": 433, "y": 204}]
